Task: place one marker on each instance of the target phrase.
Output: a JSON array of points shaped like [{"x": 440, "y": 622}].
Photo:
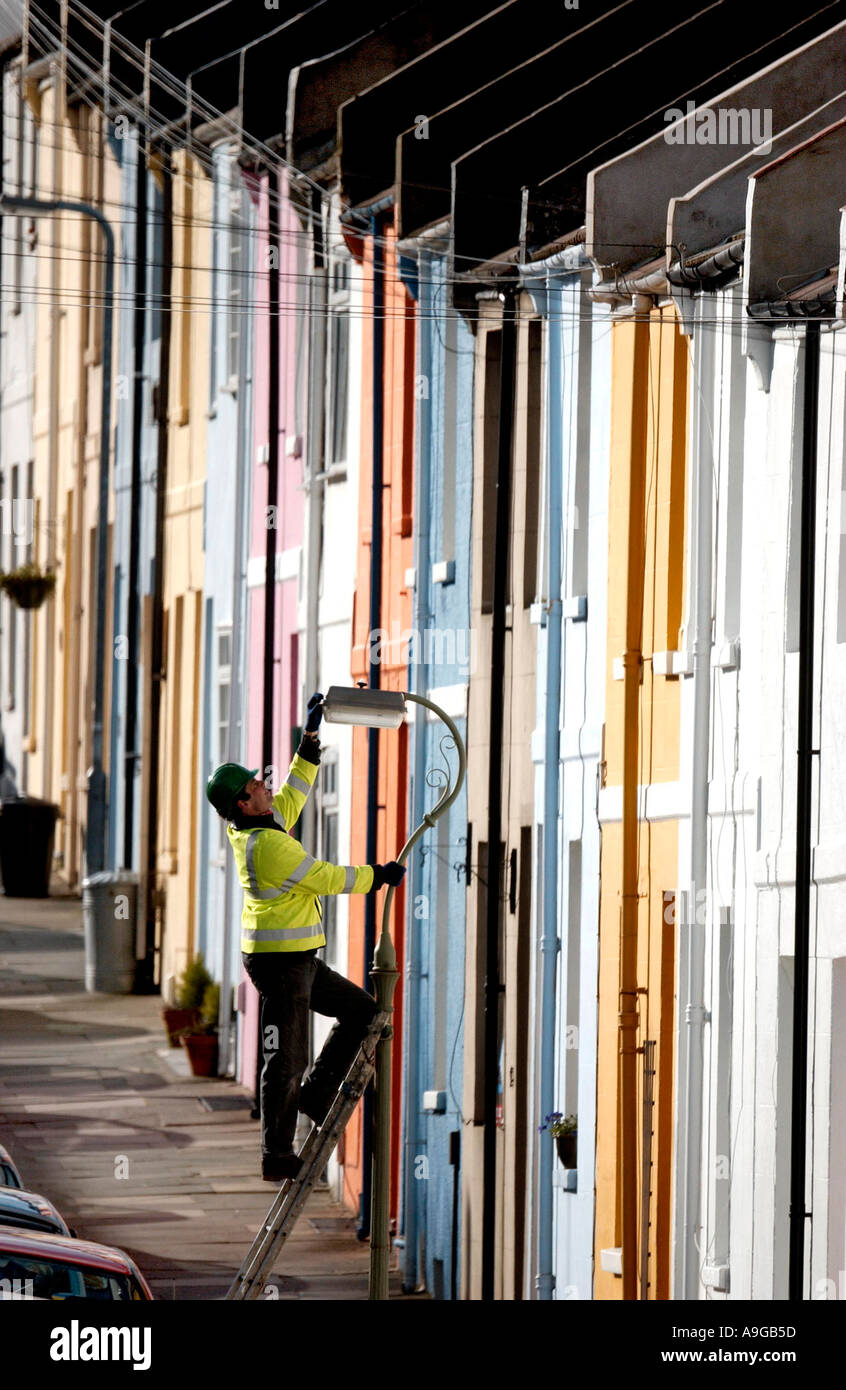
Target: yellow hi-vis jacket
[{"x": 281, "y": 881}]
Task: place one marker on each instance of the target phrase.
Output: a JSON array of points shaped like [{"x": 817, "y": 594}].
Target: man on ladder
[{"x": 281, "y": 934}]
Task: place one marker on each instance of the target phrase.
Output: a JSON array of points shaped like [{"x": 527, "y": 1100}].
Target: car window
[
  {"x": 55, "y": 1279},
  {"x": 31, "y": 1222},
  {"x": 8, "y": 1176}
]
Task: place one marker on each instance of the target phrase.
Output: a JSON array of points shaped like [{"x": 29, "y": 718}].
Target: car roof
[{"x": 43, "y": 1244}]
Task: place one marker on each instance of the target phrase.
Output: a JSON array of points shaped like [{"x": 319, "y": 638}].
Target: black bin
[{"x": 27, "y": 831}]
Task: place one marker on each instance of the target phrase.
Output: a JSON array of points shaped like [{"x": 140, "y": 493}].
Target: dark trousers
[{"x": 290, "y": 983}]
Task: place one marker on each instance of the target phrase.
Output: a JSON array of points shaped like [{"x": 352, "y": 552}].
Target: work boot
[
  {"x": 314, "y": 1104},
  {"x": 277, "y": 1168}
]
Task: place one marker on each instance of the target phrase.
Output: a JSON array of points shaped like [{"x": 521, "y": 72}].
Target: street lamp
[
  {"x": 386, "y": 709},
  {"x": 95, "y": 839}
]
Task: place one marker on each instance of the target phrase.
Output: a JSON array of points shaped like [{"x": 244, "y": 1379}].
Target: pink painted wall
[{"x": 289, "y": 525}]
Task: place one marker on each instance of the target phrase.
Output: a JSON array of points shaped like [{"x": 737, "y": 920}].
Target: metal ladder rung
[{"x": 315, "y": 1153}]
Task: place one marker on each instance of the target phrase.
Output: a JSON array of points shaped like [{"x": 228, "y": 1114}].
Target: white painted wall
[{"x": 757, "y": 437}]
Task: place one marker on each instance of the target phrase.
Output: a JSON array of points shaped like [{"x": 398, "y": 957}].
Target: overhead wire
[{"x": 169, "y": 82}]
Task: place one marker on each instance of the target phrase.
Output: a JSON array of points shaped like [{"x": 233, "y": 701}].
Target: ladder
[{"x": 294, "y": 1192}]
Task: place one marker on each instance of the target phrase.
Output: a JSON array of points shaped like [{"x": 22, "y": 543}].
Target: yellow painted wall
[
  {"x": 648, "y": 404},
  {"x": 181, "y": 713},
  {"x": 73, "y": 162}
]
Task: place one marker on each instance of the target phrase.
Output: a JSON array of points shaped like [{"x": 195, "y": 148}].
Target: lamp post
[
  {"x": 95, "y": 839},
  {"x": 386, "y": 709}
]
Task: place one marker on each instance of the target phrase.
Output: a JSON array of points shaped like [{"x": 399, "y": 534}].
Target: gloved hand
[
  {"x": 315, "y": 713},
  {"x": 392, "y": 873}
]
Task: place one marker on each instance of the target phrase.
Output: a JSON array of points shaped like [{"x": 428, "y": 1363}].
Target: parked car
[
  {"x": 31, "y": 1211},
  {"x": 9, "y": 1175},
  {"x": 41, "y": 1266}
]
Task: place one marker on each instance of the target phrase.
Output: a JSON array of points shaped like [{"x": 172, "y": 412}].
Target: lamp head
[{"x": 374, "y": 709}]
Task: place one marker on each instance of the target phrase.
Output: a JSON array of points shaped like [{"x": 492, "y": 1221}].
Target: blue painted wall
[
  {"x": 576, "y": 428},
  {"x": 435, "y": 930}
]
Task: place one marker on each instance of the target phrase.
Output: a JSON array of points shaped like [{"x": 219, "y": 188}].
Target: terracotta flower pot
[
  {"x": 177, "y": 1019},
  {"x": 202, "y": 1052},
  {"x": 566, "y": 1146}
]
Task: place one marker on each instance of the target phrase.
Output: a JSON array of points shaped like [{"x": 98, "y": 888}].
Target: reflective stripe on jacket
[{"x": 281, "y": 882}]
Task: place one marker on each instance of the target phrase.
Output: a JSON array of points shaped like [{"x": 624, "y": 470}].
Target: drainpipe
[
  {"x": 493, "y": 901},
  {"x": 377, "y": 425},
  {"x": 414, "y": 1140},
  {"x": 550, "y": 943},
  {"x": 632, "y": 665},
  {"x": 695, "y": 1012},
  {"x": 131, "y": 757},
  {"x": 147, "y": 967},
  {"x": 806, "y": 752}
]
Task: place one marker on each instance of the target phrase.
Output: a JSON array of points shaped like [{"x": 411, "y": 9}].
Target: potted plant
[
  {"x": 193, "y": 984},
  {"x": 200, "y": 1039},
  {"x": 28, "y": 586},
  {"x": 564, "y": 1130}
]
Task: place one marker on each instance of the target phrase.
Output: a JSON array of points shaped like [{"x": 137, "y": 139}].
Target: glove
[
  {"x": 392, "y": 873},
  {"x": 315, "y": 713}
]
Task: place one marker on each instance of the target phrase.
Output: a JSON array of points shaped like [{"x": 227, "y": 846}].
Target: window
[
  {"x": 11, "y": 667},
  {"x": 449, "y": 327},
  {"x": 18, "y": 221},
  {"x": 338, "y": 358},
  {"x": 224, "y": 694},
  {"x": 329, "y": 845},
  {"x": 533, "y": 462},
  {"x": 237, "y": 269},
  {"x": 490, "y": 462},
  {"x": 213, "y": 325}
]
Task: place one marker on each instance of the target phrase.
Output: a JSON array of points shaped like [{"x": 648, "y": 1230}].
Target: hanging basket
[
  {"x": 566, "y": 1146},
  {"x": 28, "y": 586}
]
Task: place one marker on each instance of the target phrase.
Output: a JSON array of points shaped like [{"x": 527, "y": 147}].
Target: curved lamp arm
[{"x": 385, "y": 954}]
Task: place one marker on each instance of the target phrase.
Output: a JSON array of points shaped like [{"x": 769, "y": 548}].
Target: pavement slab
[{"x": 109, "y": 1123}]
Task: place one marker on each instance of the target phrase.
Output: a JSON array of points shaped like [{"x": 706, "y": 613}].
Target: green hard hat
[{"x": 224, "y": 785}]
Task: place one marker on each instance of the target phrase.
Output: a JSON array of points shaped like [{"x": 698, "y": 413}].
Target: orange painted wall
[
  {"x": 649, "y": 393},
  {"x": 396, "y": 618}
]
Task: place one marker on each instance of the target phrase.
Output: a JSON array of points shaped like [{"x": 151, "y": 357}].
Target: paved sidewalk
[{"x": 102, "y": 1117}]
